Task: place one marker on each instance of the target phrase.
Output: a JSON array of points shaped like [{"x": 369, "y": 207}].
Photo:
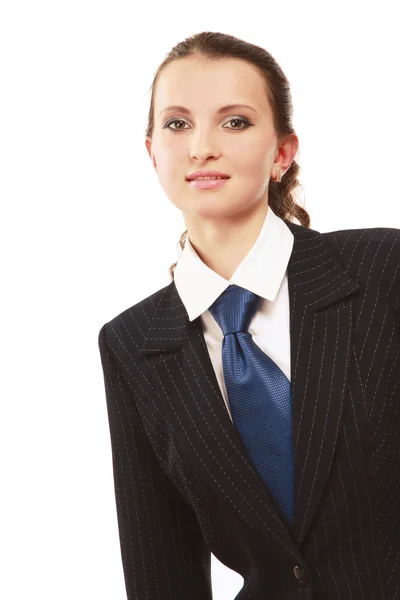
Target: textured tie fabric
[{"x": 259, "y": 396}]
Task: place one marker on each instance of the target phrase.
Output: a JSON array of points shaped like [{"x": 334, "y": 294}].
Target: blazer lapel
[
  {"x": 320, "y": 291},
  {"x": 180, "y": 368}
]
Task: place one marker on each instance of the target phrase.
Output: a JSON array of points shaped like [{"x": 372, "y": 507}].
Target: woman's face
[{"x": 240, "y": 142}]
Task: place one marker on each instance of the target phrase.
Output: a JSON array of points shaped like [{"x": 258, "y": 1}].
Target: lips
[
  {"x": 198, "y": 174},
  {"x": 208, "y": 184},
  {"x": 206, "y": 178}
]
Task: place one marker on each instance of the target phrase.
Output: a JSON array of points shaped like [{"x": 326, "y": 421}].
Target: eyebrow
[{"x": 223, "y": 109}]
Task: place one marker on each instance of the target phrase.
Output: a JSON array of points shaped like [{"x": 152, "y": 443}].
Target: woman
[{"x": 254, "y": 401}]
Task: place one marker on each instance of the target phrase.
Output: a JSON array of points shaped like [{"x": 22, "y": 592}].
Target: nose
[
  {"x": 202, "y": 156},
  {"x": 202, "y": 148}
]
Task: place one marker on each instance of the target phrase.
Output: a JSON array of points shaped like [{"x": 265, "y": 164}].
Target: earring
[{"x": 278, "y": 178}]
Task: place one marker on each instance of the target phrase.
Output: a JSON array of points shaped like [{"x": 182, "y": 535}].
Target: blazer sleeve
[{"x": 163, "y": 551}]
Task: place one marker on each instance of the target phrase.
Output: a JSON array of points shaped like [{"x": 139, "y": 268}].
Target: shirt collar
[{"x": 260, "y": 272}]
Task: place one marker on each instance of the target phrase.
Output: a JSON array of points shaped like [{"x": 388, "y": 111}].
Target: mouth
[
  {"x": 208, "y": 184},
  {"x": 207, "y": 177}
]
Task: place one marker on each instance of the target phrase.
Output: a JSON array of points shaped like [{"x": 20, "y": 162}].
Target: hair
[{"x": 214, "y": 45}]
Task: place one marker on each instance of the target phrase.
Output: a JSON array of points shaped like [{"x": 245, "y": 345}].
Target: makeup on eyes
[{"x": 240, "y": 119}]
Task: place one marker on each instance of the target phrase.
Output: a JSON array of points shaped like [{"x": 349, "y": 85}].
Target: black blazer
[{"x": 184, "y": 483}]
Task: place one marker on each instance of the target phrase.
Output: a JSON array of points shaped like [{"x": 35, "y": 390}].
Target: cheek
[
  {"x": 251, "y": 168},
  {"x": 171, "y": 161},
  {"x": 250, "y": 156}
]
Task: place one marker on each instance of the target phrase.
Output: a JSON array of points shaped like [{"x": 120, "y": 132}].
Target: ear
[
  {"x": 287, "y": 152},
  {"x": 149, "y": 150}
]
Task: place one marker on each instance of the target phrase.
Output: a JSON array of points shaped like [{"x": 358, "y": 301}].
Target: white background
[{"x": 87, "y": 231}]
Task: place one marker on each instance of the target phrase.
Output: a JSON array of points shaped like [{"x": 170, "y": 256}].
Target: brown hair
[{"x": 213, "y": 45}]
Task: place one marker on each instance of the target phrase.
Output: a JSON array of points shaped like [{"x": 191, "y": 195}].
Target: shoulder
[
  {"x": 377, "y": 237},
  {"x": 356, "y": 247},
  {"x": 375, "y": 243},
  {"x": 128, "y": 329},
  {"x": 370, "y": 255}
]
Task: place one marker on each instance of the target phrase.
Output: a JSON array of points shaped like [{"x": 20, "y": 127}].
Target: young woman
[{"x": 254, "y": 401}]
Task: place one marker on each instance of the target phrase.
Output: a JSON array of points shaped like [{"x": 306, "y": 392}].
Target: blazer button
[{"x": 300, "y": 575}]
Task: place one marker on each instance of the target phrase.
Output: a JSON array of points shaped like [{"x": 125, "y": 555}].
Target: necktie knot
[{"x": 234, "y": 309}]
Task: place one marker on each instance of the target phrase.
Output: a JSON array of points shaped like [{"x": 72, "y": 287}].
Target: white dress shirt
[{"x": 262, "y": 271}]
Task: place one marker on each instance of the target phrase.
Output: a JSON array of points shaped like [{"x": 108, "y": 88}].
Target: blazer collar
[{"x": 176, "y": 356}]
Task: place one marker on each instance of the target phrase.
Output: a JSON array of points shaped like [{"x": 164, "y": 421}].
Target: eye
[
  {"x": 238, "y": 119},
  {"x": 168, "y": 123}
]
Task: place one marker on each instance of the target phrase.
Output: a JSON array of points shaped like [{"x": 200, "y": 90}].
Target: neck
[{"x": 223, "y": 244}]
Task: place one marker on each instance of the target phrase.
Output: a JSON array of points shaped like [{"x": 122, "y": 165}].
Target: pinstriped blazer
[{"x": 184, "y": 483}]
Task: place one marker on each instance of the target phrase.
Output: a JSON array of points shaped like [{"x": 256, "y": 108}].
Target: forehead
[{"x": 198, "y": 82}]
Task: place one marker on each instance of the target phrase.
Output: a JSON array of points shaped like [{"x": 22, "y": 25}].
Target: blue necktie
[{"x": 259, "y": 396}]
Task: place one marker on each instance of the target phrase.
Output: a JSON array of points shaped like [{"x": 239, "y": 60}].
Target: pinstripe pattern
[{"x": 184, "y": 483}]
